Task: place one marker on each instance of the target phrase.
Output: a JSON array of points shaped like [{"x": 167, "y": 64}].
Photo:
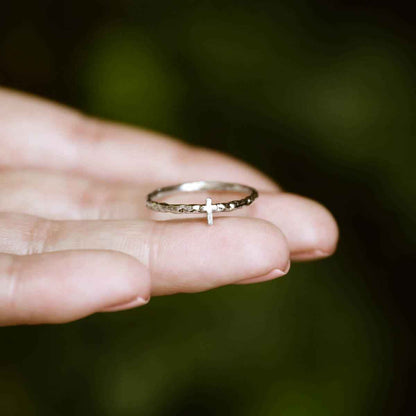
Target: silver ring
[{"x": 209, "y": 207}]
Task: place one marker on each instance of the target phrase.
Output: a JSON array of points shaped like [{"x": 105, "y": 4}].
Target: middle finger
[{"x": 310, "y": 229}]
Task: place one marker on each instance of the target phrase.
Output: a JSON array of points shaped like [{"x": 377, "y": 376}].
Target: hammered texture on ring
[{"x": 207, "y": 208}]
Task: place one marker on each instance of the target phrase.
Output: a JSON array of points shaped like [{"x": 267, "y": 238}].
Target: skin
[{"x": 76, "y": 238}]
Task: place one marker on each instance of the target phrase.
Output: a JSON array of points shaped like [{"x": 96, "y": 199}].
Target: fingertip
[
  {"x": 98, "y": 280},
  {"x": 60, "y": 287},
  {"x": 309, "y": 227},
  {"x": 270, "y": 248},
  {"x": 139, "y": 301},
  {"x": 273, "y": 274},
  {"x": 321, "y": 235},
  {"x": 126, "y": 280},
  {"x": 193, "y": 257}
]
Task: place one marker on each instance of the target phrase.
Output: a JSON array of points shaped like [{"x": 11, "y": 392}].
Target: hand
[{"x": 76, "y": 237}]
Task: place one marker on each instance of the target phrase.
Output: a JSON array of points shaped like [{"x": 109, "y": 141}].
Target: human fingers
[
  {"x": 36, "y": 133},
  {"x": 68, "y": 285},
  {"x": 182, "y": 256},
  {"x": 310, "y": 229},
  {"x": 57, "y": 195}
]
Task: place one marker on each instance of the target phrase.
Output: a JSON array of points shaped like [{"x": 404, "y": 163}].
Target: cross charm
[{"x": 208, "y": 209}]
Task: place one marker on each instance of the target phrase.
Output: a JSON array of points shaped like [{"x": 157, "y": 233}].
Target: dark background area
[{"x": 318, "y": 94}]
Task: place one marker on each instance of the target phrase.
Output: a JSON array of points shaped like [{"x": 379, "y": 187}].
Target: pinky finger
[{"x": 65, "y": 286}]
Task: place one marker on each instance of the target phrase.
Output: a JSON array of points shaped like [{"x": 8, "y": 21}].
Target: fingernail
[
  {"x": 127, "y": 305},
  {"x": 310, "y": 254},
  {"x": 275, "y": 273}
]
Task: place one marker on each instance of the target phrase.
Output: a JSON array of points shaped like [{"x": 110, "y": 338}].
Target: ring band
[{"x": 209, "y": 207}]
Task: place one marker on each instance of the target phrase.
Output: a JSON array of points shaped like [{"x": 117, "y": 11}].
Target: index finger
[{"x": 36, "y": 133}]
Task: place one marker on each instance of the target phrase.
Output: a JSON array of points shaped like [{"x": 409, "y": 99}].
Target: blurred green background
[{"x": 318, "y": 94}]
